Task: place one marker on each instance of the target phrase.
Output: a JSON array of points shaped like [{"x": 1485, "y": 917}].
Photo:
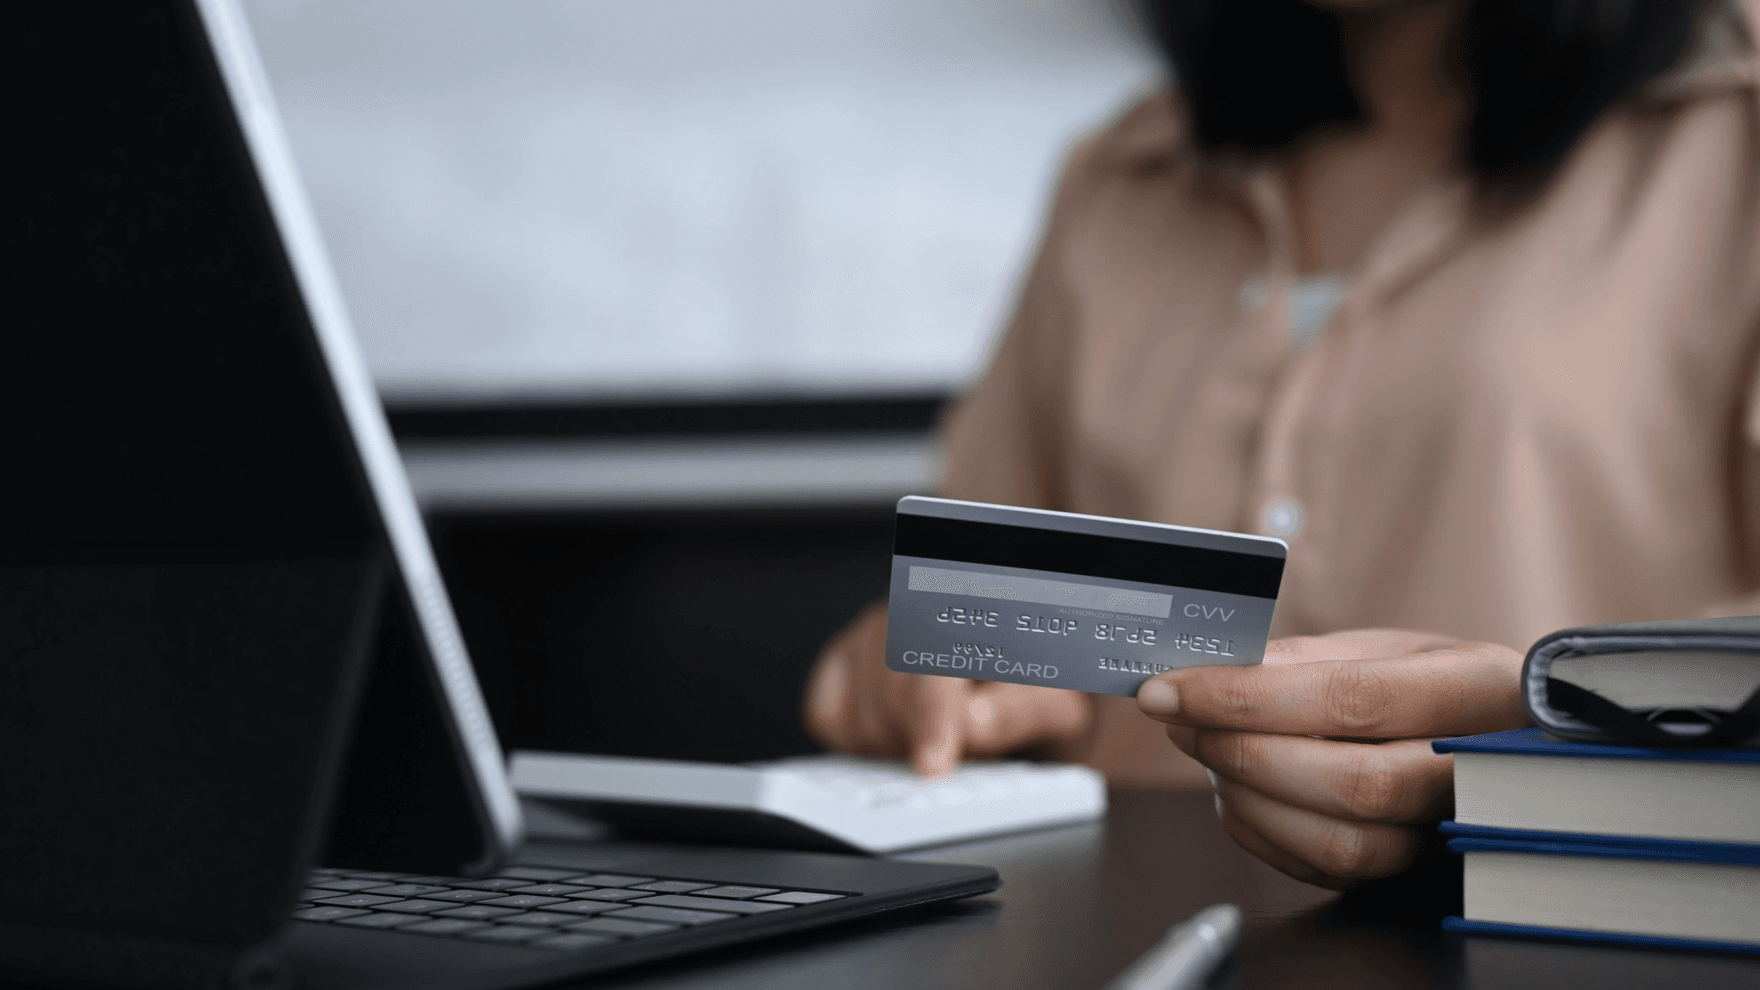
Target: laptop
[{"x": 242, "y": 742}]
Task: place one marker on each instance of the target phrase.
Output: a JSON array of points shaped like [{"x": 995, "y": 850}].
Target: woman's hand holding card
[{"x": 1321, "y": 755}]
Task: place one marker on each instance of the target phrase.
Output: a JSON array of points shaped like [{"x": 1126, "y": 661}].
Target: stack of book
[
  {"x": 1632, "y": 814},
  {"x": 1607, "y": 843}
]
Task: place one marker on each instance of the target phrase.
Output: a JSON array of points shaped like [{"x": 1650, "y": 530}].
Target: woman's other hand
[
  {"x": 856, "y": 705},
  {"x": 1321, "y": 755}
]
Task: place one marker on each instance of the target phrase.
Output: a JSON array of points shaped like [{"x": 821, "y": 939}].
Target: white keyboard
[{"x": 874, "y": 806}]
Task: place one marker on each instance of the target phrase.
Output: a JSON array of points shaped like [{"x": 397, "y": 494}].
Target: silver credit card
[{"x": 1056, "y": 599}]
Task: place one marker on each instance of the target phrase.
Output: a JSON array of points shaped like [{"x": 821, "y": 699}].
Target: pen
[{"x": 1187, "y": 954}]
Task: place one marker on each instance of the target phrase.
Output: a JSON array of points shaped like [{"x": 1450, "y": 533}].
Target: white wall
[{"x": 592, "y": 198}]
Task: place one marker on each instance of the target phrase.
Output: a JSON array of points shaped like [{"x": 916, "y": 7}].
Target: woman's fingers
[
  {"x": 827, "y": 700},
  {"x": 1355, "y": 644},
  {"x": 1250, "y": 840},
  {"x": 1468, "y": 689},
  {"x": 1400, "y": 782},
  {"x": 855, "y": 704},
  {"x": 848, "y": 704},
  {"x": 1002, "y": 718},
  {"x": 951, "y": 718},
  {"x": 934, "y": 713},
  {"x": 1344, "y": 853},
  {"x": 1292, "y": 788}
]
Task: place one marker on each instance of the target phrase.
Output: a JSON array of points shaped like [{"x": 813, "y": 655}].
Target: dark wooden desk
[{"x": 1079, "y": 904}]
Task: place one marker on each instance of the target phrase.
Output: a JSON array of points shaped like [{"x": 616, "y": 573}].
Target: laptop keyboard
[{"x": 565, "y": 910}]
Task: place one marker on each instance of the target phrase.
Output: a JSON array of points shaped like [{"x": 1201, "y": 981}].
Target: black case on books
[{"x": 1562, "y": 709}]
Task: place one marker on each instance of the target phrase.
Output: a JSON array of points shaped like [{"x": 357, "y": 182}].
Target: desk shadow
[
  {"x": 1389, "y": 936},
  {"x": 1496, "y": 961}
]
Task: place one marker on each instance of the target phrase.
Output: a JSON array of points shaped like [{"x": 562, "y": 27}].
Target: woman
[{"x": 1462, "y": 300}]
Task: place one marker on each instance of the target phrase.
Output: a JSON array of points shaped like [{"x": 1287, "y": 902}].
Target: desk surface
[{"x": 1079, "y": 904}]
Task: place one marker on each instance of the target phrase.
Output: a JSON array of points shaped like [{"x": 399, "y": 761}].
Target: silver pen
[{"x": 1187, "y": 955}]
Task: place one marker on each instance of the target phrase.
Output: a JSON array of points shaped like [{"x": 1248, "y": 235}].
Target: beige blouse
[{"x": 1499, "y": 427}]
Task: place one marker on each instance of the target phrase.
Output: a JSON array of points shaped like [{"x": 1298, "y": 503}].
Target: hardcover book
[
  {"x": 1529, "y": 781},
  {"x": 1662, "y": 893}
]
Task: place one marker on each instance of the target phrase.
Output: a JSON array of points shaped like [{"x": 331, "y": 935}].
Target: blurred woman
[{"x": 1462, "y": 300}]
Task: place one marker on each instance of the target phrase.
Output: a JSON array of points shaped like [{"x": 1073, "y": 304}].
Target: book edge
[
  {"x": 1534, "y": 742},
  {"x": 1636, "y": 843},
  {"x": 1456, "y": 923},
  {"x": 1591, "y": 850}
]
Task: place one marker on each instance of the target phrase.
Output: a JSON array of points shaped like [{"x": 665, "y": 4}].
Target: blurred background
[{"x": 663, "y": 299}]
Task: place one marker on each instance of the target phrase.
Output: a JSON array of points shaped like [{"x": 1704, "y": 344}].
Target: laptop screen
[
  {"x": 206, "y": 538},
  {"x": 172, "y": 391}
]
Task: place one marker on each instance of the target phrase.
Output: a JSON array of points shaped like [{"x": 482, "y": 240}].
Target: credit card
[{"x": 1057, "y": 599}]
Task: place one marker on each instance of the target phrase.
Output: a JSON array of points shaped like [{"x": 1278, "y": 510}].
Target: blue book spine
[
  {"x": 1454, "y": 923},
  {"x": 1535, "y": 742},
  {"x": 1480, "y": 838},
  {"x": 1484, "y": 838}
]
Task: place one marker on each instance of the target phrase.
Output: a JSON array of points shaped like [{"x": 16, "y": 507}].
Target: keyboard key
[
  {"x": 358, "y": 900},
  {"x": 607, "y": 879},
  {"x": 610, "y": 894},
  {"x": 736, "y": 891},
  {"x": 418, "y": 906},
  {"x": 446, "y": 926},
  {"x": 539, "y": 874},
  {"x": 405, "y": 890},
  {"x": 493, "y": 883},
  {"x": 704, "y": 904},
  {"x": 802, "y": 897},
  {"x": 550, "y": 889},
  {"x": 578, "y": 908},
  {"x": 464, "y": 896},
  {"x": 344, "y": 884},
  {"x": 672, "y": 886},
  {"x": 541, "y": 919},
  {"x": 669, "y": 916},
  {"x": 438, "y": 881},
  {"x": 381, "y": 919},
  {"x": 507, "y": 933},
  {"x": 368, "y": 875},
  {"x": 570, "y": 941},
  {"x": 524, "y": 901},
  {"x": 314, "y": 894},
  {"x": 327, "y": 913},
  {"x": 476, "y": 912},
  {"x": 620, "y": 928}
]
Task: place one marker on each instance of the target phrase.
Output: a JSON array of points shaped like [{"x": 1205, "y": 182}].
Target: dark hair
[{"x": 1259, "y": 74}]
